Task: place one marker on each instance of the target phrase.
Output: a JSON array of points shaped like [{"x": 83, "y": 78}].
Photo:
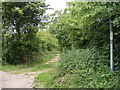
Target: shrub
[{"x": 85, "y": 68}]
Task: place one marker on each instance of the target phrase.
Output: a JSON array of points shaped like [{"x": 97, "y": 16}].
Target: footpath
[{"x": 24, "y": 80}]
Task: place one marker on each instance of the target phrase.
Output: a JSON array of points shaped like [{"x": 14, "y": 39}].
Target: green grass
[
  {"x": 36, "y": 66},
  {"x": 46, "y": 79}
]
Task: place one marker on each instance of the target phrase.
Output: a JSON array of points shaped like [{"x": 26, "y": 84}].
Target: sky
[{"x": 56, "y": 4}]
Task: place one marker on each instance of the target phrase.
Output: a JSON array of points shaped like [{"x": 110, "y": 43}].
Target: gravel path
[{"x": 24, "y": 80}]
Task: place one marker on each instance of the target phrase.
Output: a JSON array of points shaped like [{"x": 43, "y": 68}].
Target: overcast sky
[{"x": 56, "y": 4}]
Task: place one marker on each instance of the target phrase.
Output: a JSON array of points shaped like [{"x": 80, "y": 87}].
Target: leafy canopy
[{"x": 20, "y": 25}]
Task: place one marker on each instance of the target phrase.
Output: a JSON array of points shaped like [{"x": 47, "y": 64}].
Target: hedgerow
[{"x": 84, "y": 68}]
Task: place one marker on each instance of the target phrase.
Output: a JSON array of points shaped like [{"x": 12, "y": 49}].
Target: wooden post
[{"x": 27, "y": 59}]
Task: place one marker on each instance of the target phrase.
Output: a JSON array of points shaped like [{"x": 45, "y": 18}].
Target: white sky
[{"x": 56, "y": 4}]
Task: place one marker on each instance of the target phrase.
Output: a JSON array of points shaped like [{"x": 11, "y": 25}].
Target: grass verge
[
  {"x": 46, "y": 79},
  {"x": 36, "y": 66}
]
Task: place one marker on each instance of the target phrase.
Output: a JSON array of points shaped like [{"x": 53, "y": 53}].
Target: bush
[
  {"x": 85, "y": 68},
  {"x": 79, "y": 59}
]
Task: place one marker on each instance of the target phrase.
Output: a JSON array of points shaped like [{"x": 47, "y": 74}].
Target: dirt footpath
[
  {"x": 24, "y": 80},
  {"x": 15, "y": 81},
  {"x": 53, "y": 60}
]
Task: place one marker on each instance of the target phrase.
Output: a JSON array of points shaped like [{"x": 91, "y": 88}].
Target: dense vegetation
[
  {"x": 22, "y": 28},
  {"x": 85, "y": 27},
  {"x": 80, "y": 68},
  {"x": 46, "y": 41},
  {"x": 80, "y": 32},
  {"x": 78, "y": 26},
  {"x": 86, "y": 68}
]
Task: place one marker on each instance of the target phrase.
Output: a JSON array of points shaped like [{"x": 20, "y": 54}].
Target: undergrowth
[{"x": 81, "y": 68}]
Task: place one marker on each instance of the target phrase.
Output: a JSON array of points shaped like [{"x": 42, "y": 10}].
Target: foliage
[
  {"x": 82, "y": 25},
  {"x": 46, "y": 41},
  {"x": 72, "y": 60},
  {"x": 20, "y": 25},
  {"x": 85, "y": 69},
  {"x": 79, "y": 68}
]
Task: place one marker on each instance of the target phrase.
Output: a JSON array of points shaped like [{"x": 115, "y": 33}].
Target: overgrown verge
[
  {"x": 81, "y": 68},
  {"x": 45, "y": 79}
]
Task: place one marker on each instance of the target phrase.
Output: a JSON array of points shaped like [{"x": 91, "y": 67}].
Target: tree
[
  {"x": 20, "y": 25},
  {"x": 46, "y": 41},
  {"x": 78, "y": 26}
]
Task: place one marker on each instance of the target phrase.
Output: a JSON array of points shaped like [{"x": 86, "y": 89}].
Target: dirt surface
[
  {"x": 24, "y": 80},
  {"x": 53, "y": 60},
  {"x": 15, "y": 81}
]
